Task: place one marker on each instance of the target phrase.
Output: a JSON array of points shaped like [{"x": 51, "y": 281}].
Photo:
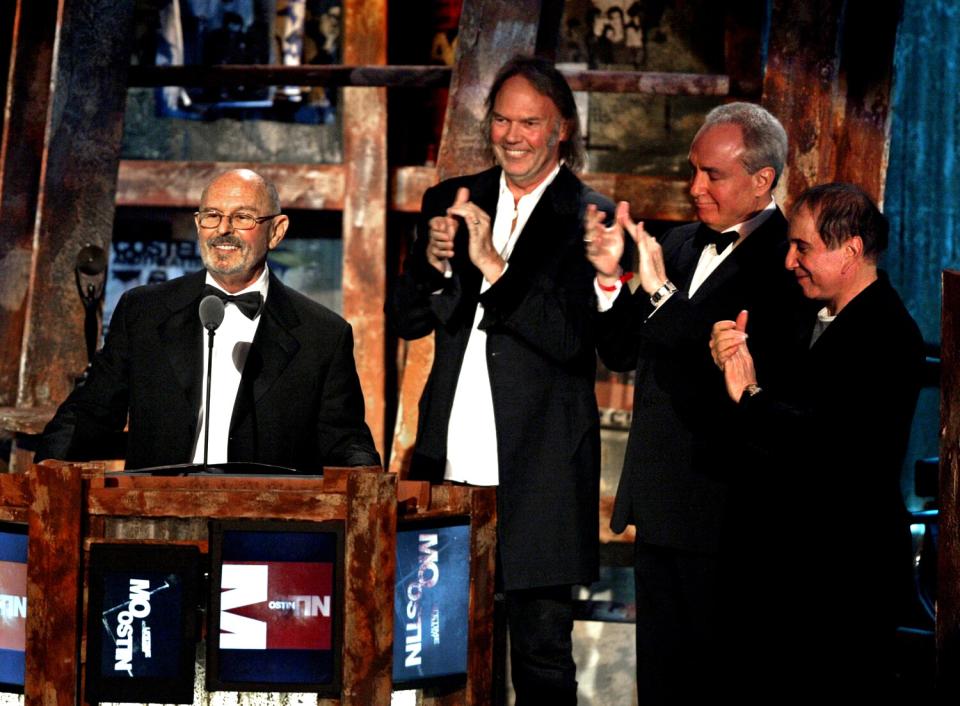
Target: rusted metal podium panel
[
  {"x": 70, "y": 505},
  {"x": 178, "y": 508},
  {"x": 948, "y": 563},
  {"x": 53, "y": 585}
]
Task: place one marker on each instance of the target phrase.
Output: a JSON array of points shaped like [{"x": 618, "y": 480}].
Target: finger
[
  {"x": 463, "y": 196},
  {"x": 623, "y": 215},
  {"x": 742, "y": 320},
  {"x": 722, "y": 326},
  {"x": 471, "y": 214}
]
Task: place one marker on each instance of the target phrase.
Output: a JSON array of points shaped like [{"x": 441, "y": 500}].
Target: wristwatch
[
  {"x": 752, "y": 389},
  {"x": 666, "y": 289}
]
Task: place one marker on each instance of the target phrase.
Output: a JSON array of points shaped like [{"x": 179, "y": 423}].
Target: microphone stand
[
  {"x": 206, "y": 411},
  {"x": 211, "y": 316}
]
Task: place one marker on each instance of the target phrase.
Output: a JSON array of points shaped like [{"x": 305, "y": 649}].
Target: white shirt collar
[{"x": 751, "y": 224}]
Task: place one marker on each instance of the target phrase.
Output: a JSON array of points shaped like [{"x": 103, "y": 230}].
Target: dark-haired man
[
  {"x": 835, "y": 431},
  {"x": 284, "y": 391},
  {"x": 498, "y": 275}
]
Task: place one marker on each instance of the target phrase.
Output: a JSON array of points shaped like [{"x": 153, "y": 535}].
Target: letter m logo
[{"x": 242, "y": 585}]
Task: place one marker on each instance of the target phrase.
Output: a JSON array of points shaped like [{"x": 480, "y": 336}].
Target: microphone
[
  {"x": 211, "y": 313},
  {"x": 211, "y": 316}
]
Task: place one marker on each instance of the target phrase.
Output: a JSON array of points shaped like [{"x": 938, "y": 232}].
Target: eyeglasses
[{"x": 238, "y": 221}]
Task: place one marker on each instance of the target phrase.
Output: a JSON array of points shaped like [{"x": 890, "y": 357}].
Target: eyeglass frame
[{"x": 257, "y": 219}]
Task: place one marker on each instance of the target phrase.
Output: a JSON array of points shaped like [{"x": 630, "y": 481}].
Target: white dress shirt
[
  {"x": 231, "y": 344},
  {"x": 709, "y": 259},
  {"x": 472, "y": 430}
]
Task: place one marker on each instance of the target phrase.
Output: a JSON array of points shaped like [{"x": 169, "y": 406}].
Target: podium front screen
[
  {"x": 141, "y": 623},
  {"x": 431, "y": 603},
  {"x": 276, "y": 606}
]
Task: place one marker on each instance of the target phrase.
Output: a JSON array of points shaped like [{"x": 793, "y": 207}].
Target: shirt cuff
[{"x": 606, "y": 299}]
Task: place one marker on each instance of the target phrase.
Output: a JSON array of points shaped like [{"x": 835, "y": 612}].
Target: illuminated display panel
[
  {"x": 431, "y": 603},
  {"x": 276, "y": 606},
  {"x": 141, "y": 623}
]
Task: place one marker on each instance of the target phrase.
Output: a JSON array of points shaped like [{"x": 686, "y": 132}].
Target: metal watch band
[{"x": 665, "y": 289}]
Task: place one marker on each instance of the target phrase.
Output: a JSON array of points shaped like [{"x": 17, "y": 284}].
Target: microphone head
[
  {"x": 91, "y": 260},
  {"x": 211, "y": 312}
]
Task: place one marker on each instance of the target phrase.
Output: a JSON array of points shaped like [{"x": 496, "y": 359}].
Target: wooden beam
[
  {"x": 490, "y": 32},
  {"x": 75, "y": 204},
  {"x": 365, "y": 207},
  {"x": 948, "y": 564},
  {"x": 21, "y": 157}
]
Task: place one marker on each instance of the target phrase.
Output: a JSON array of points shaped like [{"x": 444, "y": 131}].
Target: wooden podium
[{"x": 69, "y": 507}]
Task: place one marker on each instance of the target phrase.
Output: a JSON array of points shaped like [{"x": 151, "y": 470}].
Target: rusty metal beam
[
  {"x": 321, "y": 186},
  {"x": 948, "y": 565},
  {"x": 332, "y": 75},
  {"x": 365, "y": 206},
  {"x": 866, "y": 75},
  {"x": 490, "y": 32},
  {"x": 742, "y": 47},
  {"x": 829, "y": 80},
  {"x": 651, "y": 83},
  {"x": 177, "y": 184},
  {"x": 646, "y": 82},
  {"x": 75, "y": 203},
  {"x": 21, "y": 155}
]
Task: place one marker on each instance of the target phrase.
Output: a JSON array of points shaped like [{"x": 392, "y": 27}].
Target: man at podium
[{"x": 284, "y": 389}]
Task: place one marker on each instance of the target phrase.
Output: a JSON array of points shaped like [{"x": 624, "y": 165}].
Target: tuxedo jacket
[
  {"x": 538, "y": 318},
  {"x": 299, "y": 403},
  {"x": 682, "y": 458}
]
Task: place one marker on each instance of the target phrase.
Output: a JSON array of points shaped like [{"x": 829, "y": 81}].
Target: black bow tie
[
  {"x": 249, "y": 303},
  {"x": 722, "y": 241}
]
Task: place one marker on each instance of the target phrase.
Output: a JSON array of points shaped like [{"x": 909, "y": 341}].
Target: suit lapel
[
  {"x": 549, "y": 220},
  {"x": 182, "y": 336},
  {"x": 274, "y": 346},
  {"x": 759, "y": 244},
  {"x": 687, "y": 256}
]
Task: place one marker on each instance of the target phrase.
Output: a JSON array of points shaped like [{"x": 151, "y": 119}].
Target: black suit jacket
[
  {"x": 832, "y": 551},
  {"x": 299, "y": 403},
  {"x": 680, "y": 464},
  {"x": 836, "y": 431},
  {"x": 540, "y": 355}
]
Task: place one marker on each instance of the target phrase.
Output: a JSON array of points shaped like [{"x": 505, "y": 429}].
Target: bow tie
[
  {"x": 722, "y": 241},
  {"x": 249, "y": 304}
]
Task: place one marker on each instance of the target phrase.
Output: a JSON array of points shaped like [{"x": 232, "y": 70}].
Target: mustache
[{"x": 225, "y": 239}]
